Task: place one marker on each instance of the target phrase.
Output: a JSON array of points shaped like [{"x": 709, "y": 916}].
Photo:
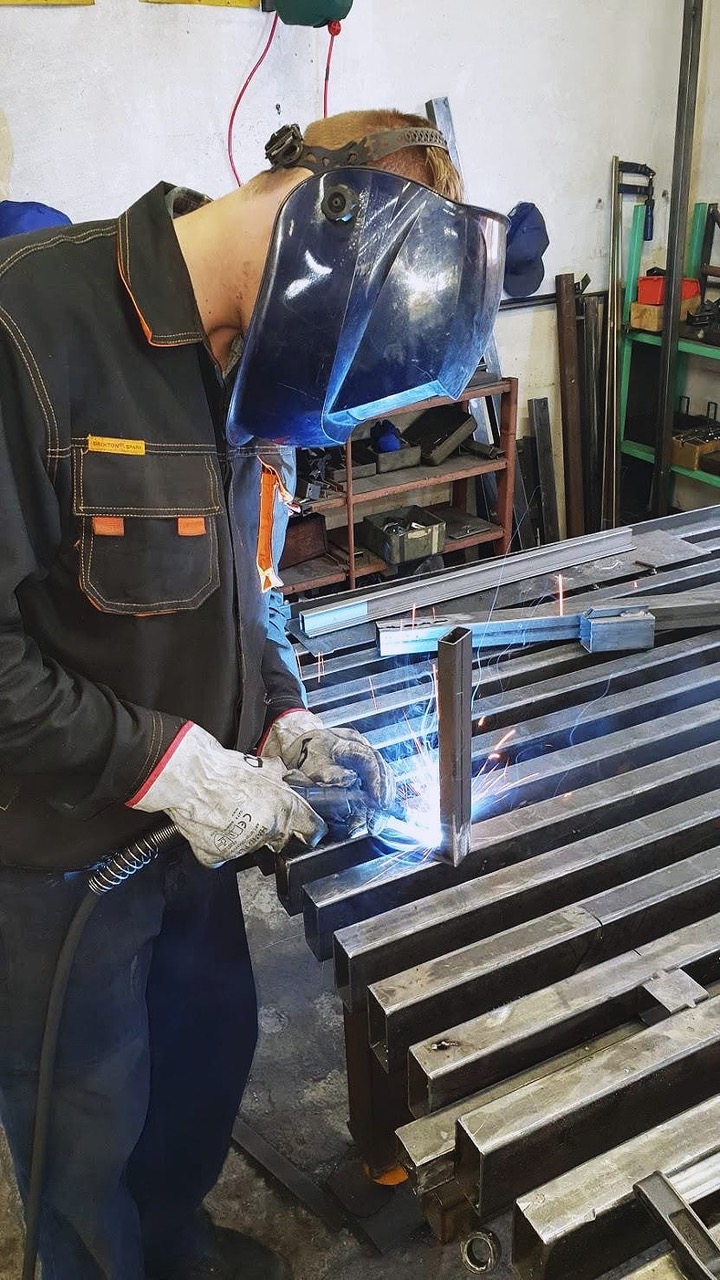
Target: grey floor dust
[{"x": 296, "y": 1099}]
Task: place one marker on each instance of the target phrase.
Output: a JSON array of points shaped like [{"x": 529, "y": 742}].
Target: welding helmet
[{"x": 377, "y": 294}]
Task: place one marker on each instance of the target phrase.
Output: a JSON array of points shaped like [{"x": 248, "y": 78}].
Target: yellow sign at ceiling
[
  {"x": 227, "y": 4},
  {"x": 36, "y": 2}
]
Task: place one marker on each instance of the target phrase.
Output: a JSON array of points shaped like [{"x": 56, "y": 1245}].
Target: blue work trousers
[{"x": 155, "y": 1048}]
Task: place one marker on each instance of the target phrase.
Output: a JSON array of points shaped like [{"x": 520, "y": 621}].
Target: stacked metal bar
[{"x": 537, "y": 1028}]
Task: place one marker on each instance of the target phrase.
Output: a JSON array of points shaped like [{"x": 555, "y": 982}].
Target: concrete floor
[{"x": 297, "y": 1100}]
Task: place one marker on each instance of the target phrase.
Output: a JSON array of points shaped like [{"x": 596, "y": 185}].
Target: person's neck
[{"x": 225, "y": 244}]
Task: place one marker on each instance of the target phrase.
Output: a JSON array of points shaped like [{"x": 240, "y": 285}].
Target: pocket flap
[{"x": 151, "y": 484}]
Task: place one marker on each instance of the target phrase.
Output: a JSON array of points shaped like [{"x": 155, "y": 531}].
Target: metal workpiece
[
  {"x": 424, "y": 1000},
  {"x": 588, "y": 1220},
  {"x": 454, "y": 697},
  {"x": 293, "y": 871},
  {"x": 371, "y": 604},
  {"x": 475, "y": 978},
  {"x": 442, "y": 921},
  {"x": 475, "y": 1053},
  {"x": 512, "y": 1018},
  {"x": 560, "y": 729},
  {"x": 376, "y": 888},
  {"x": 570, "y": 1116},
  {"x": 426, "y": 1147}
]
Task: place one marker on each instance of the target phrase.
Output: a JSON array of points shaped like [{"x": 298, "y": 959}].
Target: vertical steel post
[
  {"x": 455, "y": 684},
  {"x": 677, "y": 229}
]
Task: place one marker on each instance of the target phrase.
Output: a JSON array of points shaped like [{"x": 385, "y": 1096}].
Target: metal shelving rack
[
  {"x": 345, "y": 567},
  {"x": 686, "y": 347}
]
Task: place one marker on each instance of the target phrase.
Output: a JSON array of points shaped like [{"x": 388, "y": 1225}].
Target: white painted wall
[{"x": 100, "y": 102}]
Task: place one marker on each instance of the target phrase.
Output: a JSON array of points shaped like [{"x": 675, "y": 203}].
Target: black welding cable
[
  {"x": 110, "y": 873},
  {"x": 56, "y": 1004}
]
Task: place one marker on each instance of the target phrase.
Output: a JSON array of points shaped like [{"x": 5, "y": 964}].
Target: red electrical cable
[
  {"x": 241, "y": 95},
  {"x": 334, "y": 28}
]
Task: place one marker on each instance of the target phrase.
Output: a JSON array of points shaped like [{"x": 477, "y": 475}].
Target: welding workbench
[{"x": 537, "y": 1029}]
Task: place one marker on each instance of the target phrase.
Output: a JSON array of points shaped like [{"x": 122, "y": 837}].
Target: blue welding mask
[{"x": 377, "y": 294}]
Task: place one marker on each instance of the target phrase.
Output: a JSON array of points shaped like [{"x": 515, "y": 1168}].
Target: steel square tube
[
  {"x": 344, "y": 899},
  {"x": 559, "y": 729},
  {"x": 476, "y": 978},
  {"x": 336, "y": 855},
  {"x": 426, "y": 1147},
  {"x": 382, "y": 738},
  {"x": 500, "y": 672},
  {"x": 408, "y": 935},
  {"x": 507, "y": 691},
  {"x": 588, "y": 1220},
  {"x": 454, "y": 739},
  {"x": 477, "y": 1052},
  {"x": 425, "y": 1000},
  {"x": 577, "y": 1112}
]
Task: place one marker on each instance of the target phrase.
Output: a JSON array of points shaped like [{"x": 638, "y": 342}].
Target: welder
[{"x": 156, "y": 373}]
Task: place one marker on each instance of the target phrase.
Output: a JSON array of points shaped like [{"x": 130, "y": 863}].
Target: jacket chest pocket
[{"x": 148, "y": 529}]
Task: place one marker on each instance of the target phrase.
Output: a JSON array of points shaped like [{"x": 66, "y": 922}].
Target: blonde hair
[{"x": 429, "y": 165}]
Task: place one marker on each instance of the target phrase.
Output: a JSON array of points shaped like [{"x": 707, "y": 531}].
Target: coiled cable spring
[{"x": 120, "y": 866}]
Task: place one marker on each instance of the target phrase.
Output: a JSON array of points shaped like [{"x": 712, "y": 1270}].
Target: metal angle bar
[
  {"x": 391, "y": 881},
  {"x": 425, "y": 1000},
  {"x": 572, "y": 1115},
  {"x": 454, "y": 744},
  {"x": 413, "y": 934},
  {"x": 587, "y": 1221},
  {"x": 513, "y": 568},
  {"x": 695, "y": 1247},
  {"x": 477, "y": 1052}
]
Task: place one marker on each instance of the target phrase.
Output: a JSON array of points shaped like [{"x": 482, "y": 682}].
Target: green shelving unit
[{"x": 630, "y": 337}]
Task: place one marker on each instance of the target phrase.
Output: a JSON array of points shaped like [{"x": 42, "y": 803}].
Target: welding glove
[
  {"x": 225, "y": 804},
  {"x": 335, "y": 757}
]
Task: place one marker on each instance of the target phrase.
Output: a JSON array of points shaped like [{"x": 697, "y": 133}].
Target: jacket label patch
[
  {"x": 108, "y": 526},
  {"x": 112, "y": 444},
  {"x": 191, "y": 526}
]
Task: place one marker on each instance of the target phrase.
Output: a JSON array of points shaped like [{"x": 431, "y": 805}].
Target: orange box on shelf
[{"x": 651, "y": 290}]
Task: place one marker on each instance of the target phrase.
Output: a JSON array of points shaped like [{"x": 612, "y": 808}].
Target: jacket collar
[{"x": 153, "y": 269}]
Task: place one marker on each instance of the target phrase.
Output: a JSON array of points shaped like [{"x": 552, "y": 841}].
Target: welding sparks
[
  {"x": 372, "y": 693},
  {"x": 414, "y": 615},
  {"x": 561, "y": 595},
  {"x": 320, "y": 667}
]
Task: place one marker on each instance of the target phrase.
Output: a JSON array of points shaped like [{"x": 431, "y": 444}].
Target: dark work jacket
[{"x": 131, "y": 597}]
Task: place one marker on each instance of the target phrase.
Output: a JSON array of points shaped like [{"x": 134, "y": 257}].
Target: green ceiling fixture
[{"x": 312, "y": 13}]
